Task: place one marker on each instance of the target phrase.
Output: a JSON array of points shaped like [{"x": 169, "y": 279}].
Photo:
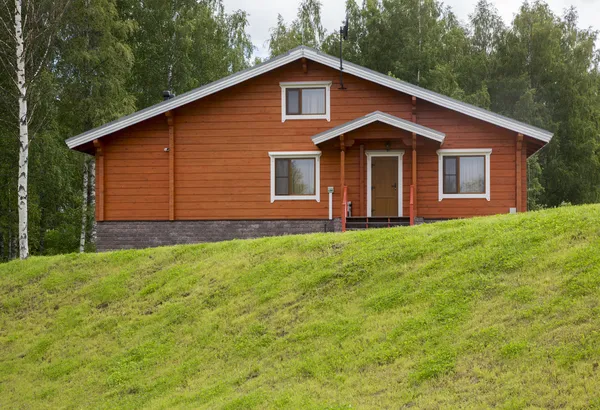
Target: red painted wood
[{"x": 222, "y": 169}]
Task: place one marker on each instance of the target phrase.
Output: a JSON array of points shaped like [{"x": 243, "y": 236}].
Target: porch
[{"x": 379, "y": 151}]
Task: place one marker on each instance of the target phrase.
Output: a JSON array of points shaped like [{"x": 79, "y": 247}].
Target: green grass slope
[{"x": 501, "y": 311}]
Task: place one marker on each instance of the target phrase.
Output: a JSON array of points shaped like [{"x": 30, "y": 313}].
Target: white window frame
[
  {"x": 475, "y": 152},
  {"x": 398, "y": 154},
  {"x": 316, "y": 155},
  {"x": 306, "y": 84}
]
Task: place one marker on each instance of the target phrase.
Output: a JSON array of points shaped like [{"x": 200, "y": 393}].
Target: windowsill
[
  {"x": 306, "y": 117},
  {"x": 464, "y": 196},
  {"x": 295, "y": 198}
]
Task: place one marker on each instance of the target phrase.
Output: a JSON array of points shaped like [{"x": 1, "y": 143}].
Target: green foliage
[
  {"x": 109, "y": 59},
  {"x": 114, "y": 57},
  {"x": 306, "y": 29},
  {"x": 482, "y": 313},
  {"x": 181, "y": 45},
  {"x": 541, "y": 69}
]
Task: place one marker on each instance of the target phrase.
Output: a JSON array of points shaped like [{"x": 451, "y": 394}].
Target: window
[
  {"x": 305, "y": 101},
  {"x": 295, "y": 175},
  {"x": 464, "y": 173}
]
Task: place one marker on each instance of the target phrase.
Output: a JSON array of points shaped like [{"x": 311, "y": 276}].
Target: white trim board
[
  {"x": 486, "y": 152},
  {"x": 381, "y": 117},
  {"x": 370, "y": 154},
  {"x": 306, "y": 84},
  {"x": 325, "y": 59},
  {"x": 316, "y": 155}
]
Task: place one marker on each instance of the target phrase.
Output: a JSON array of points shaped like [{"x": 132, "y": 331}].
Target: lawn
[{"x": 500, "y": 311}]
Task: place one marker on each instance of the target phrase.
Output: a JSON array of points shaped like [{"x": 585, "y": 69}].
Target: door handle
[{"x": 395, "y": 186}]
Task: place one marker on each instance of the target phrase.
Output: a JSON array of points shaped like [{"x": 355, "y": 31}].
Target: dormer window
[{"x": 305, "y": 101}]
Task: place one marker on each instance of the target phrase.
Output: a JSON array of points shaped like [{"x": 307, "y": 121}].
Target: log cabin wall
[
  {"x": 136, "y": 175},
  {"x": 222, "y": 168},
  {"x": 466, "y": 132}
]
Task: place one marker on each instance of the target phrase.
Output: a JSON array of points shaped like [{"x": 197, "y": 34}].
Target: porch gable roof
[{"x": 381, "y": 117}]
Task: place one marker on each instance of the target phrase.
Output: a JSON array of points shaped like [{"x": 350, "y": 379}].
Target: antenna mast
[{"x": 343, "y": 36}]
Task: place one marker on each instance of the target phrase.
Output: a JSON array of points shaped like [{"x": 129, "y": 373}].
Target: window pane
[
  {"x": 303, "y": 176},
  {"x": 450, "y": 175},
  {"x": 450, "y": 184},
  {"x": 282, "y": 181},
  {"x": 292, "y": 103},
  {"x": 282, "y": 186},
  {"x": 472, "y": 174},
  {"x": 313, "y": 101},
  {"x": 450, "y": 165},
  {"x": 281, "y": 167}
]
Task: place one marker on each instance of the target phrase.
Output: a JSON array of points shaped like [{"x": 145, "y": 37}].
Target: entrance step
[{"x": 360, "y": 223}]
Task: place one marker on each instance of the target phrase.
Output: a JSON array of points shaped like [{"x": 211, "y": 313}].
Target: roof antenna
[{"x": 343, "y": 36}]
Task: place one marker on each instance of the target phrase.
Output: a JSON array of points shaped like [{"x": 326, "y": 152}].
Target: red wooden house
[{"x": 282, "y": 148}]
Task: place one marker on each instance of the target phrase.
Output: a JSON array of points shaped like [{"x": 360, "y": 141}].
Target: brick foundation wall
[{"x": 115, "y": 235}]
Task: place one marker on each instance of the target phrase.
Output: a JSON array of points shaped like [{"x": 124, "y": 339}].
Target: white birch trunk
[
  {"x": 84, "y": 207},
  {"x": 93, "y": 198},
  {"x": 23, "y": 134}
]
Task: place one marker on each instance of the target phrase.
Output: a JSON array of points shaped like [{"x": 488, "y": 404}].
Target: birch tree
[
  {"x": 306, "y": 29},
  {"x": 23, "y": 132},
  {"x": 84, "y": 216},
  {"x": 31, "y": 27}
]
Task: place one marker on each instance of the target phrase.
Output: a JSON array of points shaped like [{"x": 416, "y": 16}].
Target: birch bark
[
  {"x": 23, "y": 134},
  {"x": 84, "y": 208},
  {"x": 93, "y": 198}
]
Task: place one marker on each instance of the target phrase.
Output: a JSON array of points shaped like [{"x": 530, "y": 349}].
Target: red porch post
[{"x": 362, "y": 199}]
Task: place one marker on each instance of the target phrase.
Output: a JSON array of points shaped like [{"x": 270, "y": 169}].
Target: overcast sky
[{"x": 263, "y": 13}]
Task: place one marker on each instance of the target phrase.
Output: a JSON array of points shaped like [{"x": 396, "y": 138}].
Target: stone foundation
[{"x": 113, "y": 235}]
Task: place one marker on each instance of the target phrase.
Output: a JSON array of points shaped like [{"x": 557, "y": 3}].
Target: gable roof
[
  {"x": 322, "y": 58},
  {"x": 381, "y": 117}
]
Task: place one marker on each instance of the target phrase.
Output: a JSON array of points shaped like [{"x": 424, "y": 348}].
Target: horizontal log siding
[
  {"x": 465, "y": 132},
  {"x": 136, "y": 175},
  {"x": 222, "y": 167}
]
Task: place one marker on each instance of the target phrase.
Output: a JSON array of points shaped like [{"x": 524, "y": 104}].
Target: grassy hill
[{"x": 501, "y": 311}]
